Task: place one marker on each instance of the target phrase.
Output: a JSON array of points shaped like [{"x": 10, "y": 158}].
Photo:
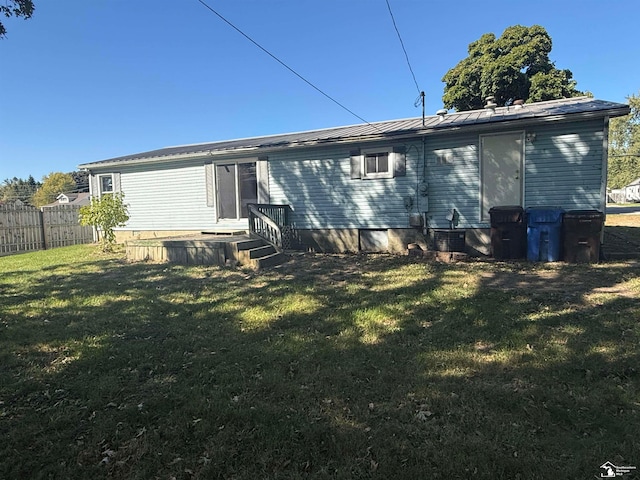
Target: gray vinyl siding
[
  {"x": 317, "y": 184},
  {"x": 452, "y": 172},
  {"x": 169, "y": 197},
  {"x": 563, "y": 165}
]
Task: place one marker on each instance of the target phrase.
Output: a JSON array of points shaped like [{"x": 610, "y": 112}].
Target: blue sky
[{"x": 89, "y": 80}]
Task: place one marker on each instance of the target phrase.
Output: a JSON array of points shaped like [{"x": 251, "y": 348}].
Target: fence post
[{"x": 42, "y": 229}]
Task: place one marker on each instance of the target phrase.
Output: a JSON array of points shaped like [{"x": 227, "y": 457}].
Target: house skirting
[
  {"x": 392, "y": 240},
  {"x": 347, "y": 240}
]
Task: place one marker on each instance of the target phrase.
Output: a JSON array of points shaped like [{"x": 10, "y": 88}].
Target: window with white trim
[
  {"x": 377, "y": 163},
  {"x": 105, "y": 184}
]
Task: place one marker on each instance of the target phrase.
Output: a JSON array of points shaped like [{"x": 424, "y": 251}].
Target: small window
[
  {"x": 106, "y": 184},
  {"x": 377, "y": 164}
]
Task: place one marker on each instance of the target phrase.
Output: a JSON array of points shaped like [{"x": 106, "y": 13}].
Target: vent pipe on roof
[
  {"x": 491, "y": 105},
  {"x": 441, "y": 113}
]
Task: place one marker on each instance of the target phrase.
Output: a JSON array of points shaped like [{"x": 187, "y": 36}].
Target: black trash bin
[
  {"x": 508, "y": 232},
  {"x": 582, "y": 230}
]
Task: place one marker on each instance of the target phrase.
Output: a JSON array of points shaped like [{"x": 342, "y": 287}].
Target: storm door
[
  {"x": 236, "y": 186},
  {"x": 501, "y": 171}
]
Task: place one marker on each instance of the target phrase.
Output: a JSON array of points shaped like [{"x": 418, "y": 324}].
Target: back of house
[{"x": 377, "y": 186}]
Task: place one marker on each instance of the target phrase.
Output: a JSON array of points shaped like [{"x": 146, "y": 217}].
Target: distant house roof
[
  {"x": 635, "y": 182},
  {"x": 79, "y": 199},
  {"x": 580, "y": 107}
]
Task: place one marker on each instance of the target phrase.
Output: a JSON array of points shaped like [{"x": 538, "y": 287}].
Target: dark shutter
[
  {"x": 262, "y": 173},
  {"x": 399, "y": 161},
  {"x": 356, "y": 163},
  {"x": 95, "y": 186},
  {"x": 117, "y": 186},
  {"x": 208, "y": 177}
]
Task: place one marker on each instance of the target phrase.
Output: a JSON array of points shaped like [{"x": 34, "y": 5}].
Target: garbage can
[
  {"x": 544, "y": 234},
  {"x": 508, "y": 232},
  {"x": 581, "y": 230}
]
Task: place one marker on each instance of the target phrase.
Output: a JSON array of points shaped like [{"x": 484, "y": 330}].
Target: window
[
  {"x": 105, "y": 183},
  {"x": 380, "y": 162},
  {"x": 377, "y": 164},
  {"x": 236, "y": 187}
]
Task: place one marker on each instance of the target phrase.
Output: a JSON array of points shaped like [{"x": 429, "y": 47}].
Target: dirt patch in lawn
[
  {"x": 622, "y": 236},
  {"x": 566, "y": 279}
]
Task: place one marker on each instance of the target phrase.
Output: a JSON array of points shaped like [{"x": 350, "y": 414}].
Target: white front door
[{"x": 501, "y": 171}]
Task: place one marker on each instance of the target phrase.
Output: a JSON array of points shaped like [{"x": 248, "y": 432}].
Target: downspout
[
  {"x": 424, "y": 182},
  {"x": 605, "y": 173},
  {"x": 94, "y": 229}
]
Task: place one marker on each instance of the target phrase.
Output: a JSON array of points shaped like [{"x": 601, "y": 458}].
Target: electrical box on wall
[{"x": 424, "y": 189}]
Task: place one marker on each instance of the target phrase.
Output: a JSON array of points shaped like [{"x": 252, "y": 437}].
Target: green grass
[{"x": 328, "y": 367}]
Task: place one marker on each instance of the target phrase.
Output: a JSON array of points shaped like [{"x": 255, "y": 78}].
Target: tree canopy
[
  {"x": 15, "y": 8},
  {"x": 624, "y": 146},
  {"x": 514, "y": 66},
  {"x": 18, "y": 189},
  {"x": 53, "y": 185}
]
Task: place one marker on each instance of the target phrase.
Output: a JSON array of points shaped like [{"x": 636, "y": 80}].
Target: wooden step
[
  {"x": 271, "y": 260},
  {"x": 249, "y": 244},
  {"x": 262, "y": 251}
]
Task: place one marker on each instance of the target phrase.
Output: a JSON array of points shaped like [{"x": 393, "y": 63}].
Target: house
[
  {"x": 632, "y": 191},
  {"x": 628, "y": 194},
  {"x": 375, "y": 186},
  {"x": 78, "y": 199}
]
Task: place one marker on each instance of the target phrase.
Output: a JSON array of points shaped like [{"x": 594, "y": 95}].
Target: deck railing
[{"x": 272, "y": 223}]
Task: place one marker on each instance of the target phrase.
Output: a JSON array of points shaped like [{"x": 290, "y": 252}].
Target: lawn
[{"x": 330, "y": 366}]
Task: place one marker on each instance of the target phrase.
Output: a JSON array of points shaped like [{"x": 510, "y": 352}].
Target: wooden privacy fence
[{"x": 24, "y": 228}]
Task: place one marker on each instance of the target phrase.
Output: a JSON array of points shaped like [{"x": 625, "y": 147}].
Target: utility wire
[
  {"x": 282, "y": 63},
  {"x": 406, "y": 55}
]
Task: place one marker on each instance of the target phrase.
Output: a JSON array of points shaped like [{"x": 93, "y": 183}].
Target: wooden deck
[{"x": 206, "y": 249}]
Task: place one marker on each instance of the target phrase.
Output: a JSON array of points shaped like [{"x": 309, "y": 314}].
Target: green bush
[{"x": 105, "y": 213}]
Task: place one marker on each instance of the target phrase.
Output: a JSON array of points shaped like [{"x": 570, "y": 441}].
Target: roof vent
[
  {"x": 441, "y": 113},
  {"x": 518, "y": 104},
  {"x": 491, "y": 105}
]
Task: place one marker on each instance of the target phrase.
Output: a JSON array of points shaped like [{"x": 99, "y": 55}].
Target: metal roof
[{"x": 529, "y": 112}]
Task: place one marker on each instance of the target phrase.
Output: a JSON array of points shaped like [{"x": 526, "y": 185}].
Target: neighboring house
[
  {"x": 385, "y": 182},
  {"x": 78, "y": 199},
  {"x": 632, "y": 191},
  {"x": 627, "y": 194}
]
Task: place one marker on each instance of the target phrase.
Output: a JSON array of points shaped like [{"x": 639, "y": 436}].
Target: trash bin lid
[
  {"x": 506, "y": 214},
  {"x": 584, "y": 214},
  {"x": 506, "y": 208},
  {"x": 537, "y": 215}
]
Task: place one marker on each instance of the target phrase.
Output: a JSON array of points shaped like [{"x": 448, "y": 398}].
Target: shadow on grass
[{"x": 329, "y": 367}]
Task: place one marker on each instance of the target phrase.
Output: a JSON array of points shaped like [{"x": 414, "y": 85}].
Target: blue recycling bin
[{"x": 544, "y": 234}]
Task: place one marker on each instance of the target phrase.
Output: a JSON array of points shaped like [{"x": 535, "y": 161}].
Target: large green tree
[
  {"x": 624, "y": 146},
  {"x": 53, "y": 185},
  {"x": 514, "y": 66},
  {"x": 15, "y": 8}
]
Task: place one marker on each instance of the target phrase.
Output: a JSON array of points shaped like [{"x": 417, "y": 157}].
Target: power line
[
  {"x": 283, "y": 64},
  {"x": 406, "y": 55}
]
